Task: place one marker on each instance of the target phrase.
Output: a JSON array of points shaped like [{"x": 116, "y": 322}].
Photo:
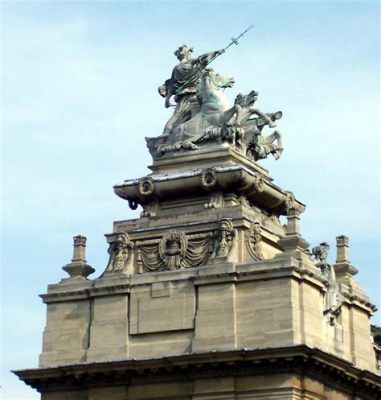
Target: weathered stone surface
[
  {"x": 162, "y": 307},
  {"x": 66, "y": 335},
  {"x": 223, "y": 305},
  {"x": 209, "y": 295},
  {"x": 294, "y": 372}
]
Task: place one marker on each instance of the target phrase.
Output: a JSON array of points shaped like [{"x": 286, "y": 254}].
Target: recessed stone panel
[{"x": 160, "y": 307}]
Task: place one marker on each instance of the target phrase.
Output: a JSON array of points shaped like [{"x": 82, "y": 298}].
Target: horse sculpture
[
  {"x": 237, "y": 126},
  {"x": 215, "y": 120},
  {"x": 213, "y": 103}
]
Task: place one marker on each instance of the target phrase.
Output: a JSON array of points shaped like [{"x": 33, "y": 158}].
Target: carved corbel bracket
[
  {"x": 292, "y": 204},
  {"x": 258, "y": 183},
  {"x": 150, "y": 209}
]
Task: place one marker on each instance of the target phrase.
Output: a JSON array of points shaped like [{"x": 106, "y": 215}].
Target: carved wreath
[
  {"x": 146, "y": 186},
  {"x": 208, "y": 177}
]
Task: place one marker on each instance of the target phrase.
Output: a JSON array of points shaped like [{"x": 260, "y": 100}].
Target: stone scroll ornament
[
  {"x": 254, "y": 241},
  {"x": 203, "y": 114},
  {"x": 224, "y": 238},
  {"x": 292, "y": 204},
  {"x": 333, "y": 298},
  {"x": 119, "y": 251},
  {"x": 175, "y": 251}
]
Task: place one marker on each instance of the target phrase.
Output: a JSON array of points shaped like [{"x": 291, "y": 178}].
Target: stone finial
[
  {"x": 342, "y": 253},
  {"x": 344, "y": 269},
  {"x": 79, "y": 250},
  {"x": 293, "y": 241},
  {"x": 78, "y": 267},
  {"x": 293, "y": 222}
]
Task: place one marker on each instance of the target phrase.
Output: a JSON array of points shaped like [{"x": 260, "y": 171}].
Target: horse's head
[
  {"x": 217, "y": 80},
  {"x": 246, "y": 100}
]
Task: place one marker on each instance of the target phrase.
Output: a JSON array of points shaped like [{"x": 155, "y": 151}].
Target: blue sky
[{"x": 79, "y": 94}]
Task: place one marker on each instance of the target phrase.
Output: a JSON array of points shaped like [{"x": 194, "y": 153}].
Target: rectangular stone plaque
[{"x": 161, "y": 307}]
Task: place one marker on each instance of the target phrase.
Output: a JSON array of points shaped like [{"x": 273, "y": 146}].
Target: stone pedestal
[{"x": 208, "y": 296}]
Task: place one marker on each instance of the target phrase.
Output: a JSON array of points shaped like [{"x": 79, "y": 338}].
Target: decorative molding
[
  {"x": 224, "y": 236},
  {"x": 208, "y": 178},
  {"x": 334, "y": 297},
  {"x": 216, "y": 200},
  {"x": 173, "y": 251},
  {"x": 292, "y": 204},
  {"x": 119, "y": 251},
  {"x": 301, "y": 360},
  {"x": 254, "y": 241},
  {"x": 259, "y": 183},
  {"x": 150, "y": 209},
  {"x": 146, "y": 186},
  {"x": 133, "y": 204}
]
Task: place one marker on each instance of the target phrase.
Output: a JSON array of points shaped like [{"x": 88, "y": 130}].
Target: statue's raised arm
[{"x": 207, "y": 58}]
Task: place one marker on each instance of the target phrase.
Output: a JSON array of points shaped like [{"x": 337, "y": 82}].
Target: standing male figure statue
[{"x": 183, "y": 84}]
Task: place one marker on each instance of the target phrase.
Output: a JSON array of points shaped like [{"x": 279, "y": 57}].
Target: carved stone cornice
[
  {"x": 301, "y": 360},
  {"x": 223, "y": 178}
]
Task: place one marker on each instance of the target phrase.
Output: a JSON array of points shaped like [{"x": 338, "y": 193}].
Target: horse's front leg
[
  {"x": 230, "y": 116},
  {"x": 278, "y": 137},
  {"x": 278, "y": 148}
]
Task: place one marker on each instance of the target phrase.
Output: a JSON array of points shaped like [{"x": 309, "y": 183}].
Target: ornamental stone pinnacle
[
  {"x": 343, "y": 267},
  {"x": 342, "y": 253},
  {"x": 78, "y": 267}
]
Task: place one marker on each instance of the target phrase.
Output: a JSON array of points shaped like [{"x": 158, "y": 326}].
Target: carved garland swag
[{"x": 175, "y": 251}]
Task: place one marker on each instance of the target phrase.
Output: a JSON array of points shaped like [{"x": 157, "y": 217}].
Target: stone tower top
[{"x": 209, "y": 293}]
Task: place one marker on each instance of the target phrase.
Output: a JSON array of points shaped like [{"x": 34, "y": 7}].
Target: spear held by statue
[{"x": 194, "y": 77}]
